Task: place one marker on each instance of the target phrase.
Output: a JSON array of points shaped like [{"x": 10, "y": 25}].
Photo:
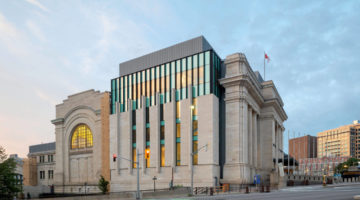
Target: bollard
[
  {"x": 211, "y": 191},
  {"x": 247, "y": 190},
  {"x": 262, "y": 188},
  {"x": 267, "y": 188}
]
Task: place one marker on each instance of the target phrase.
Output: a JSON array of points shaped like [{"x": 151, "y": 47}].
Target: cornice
[
  {"x": 274, "y": 102},
  {"x": 243, "y": 80},
  {"x": 57, "y": 121}
]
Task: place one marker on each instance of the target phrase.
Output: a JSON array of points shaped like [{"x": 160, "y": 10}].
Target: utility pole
[{"x": 137, "y": 172}]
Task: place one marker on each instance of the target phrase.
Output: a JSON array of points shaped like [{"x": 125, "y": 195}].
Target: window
[
  {"x": 148, "y": 144},
  {"x": 178, "y": 109},
  {"x": 41, "y": 159},
  {"x": 82, "y": 137},
  {"x": 42, "y": 174},
  {"x": 162, "y": 146},
  {"x": 178, "y": 146},
  {"x": 50, "y": 158},
  {"x": 51, "y": 174}
]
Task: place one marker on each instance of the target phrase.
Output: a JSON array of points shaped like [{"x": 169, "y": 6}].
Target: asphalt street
[{"x": 333, "y": 192}]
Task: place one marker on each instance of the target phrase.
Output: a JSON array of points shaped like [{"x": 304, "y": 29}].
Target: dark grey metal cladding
[
  {"x": 42, "y": 147},
  {"x": 177, "y": 51}
]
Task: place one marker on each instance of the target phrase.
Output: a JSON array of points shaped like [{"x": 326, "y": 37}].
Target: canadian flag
[{"x": 267, "y": 58}]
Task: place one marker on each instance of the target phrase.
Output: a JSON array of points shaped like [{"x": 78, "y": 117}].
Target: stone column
[
  {"x": 255, "y": 139},
  {"x": 236, "y": 168},
  {"x": 190, "y": 141},
  {"x": 277, "y": 147},
  {"x": 250, "y": 137},
  {"x": 141, "y": 133},
  {"x": 157, "y": 133},
  {"x": 173, "y": 107},
  {"x": 130, "y": 105},
  {"x": 118, "y": 132}
]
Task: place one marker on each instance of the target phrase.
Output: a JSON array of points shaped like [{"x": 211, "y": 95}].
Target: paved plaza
[{"x": 318, "y": 192}]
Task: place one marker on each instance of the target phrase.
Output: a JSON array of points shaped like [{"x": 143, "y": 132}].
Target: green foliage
[
  {"x": 343, "y": 167},
  {"x": 103, "y": 185},
  {"x": 8, "y": 183}
]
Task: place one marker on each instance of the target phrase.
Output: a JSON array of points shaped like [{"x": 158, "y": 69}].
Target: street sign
[{"x": 257, "y": 179}]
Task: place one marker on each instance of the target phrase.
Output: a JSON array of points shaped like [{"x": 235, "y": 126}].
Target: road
[{"x": 333, "y": 192}]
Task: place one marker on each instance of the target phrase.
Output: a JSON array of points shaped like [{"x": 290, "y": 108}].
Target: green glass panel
[
  {"x": 178, "y": 121},
  {"x": 148, "y": 144},
  {"x": 134, "y": 105},
  {"x": 178, "y": 140},
  {"x": 147, "y": 125},
  {"x": 201, "y": 89},
  {"x": 134, "y": 145},
  {"x": 189, "y": 62},
  {"x": 161, "y": 99},
  {"x": 162, "y": 141},
  {"x": 162, "y": 123},
  {"x": 207, "y": 58},
  {"x": 147, "y": 101},
  {"x": 183, "y": 93},
  {"x": 201, "y": 59},
  {"x": 134, "y": 127},
  {"x": 207, "y": 88},
  {"x": 195, "y": 61},
  {"x": 177, "y": 94},
  {"x": 195, "y": 138},
  {"x": 183, "y": 66},
  {"x": 207, "y": 73},
  {"x": 195, "y": 117}
]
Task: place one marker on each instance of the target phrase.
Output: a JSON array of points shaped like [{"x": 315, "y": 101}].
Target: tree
[
  {"x": 342, "y": 167},
  {"x": 103, "y": 185},
  {"x": 8, "y": 184}
]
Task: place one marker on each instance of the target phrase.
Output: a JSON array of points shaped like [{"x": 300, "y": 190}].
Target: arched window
[{"x": 81, "y": 137}]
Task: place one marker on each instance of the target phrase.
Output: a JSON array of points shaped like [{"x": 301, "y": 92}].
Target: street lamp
[{"x": 192, "y": 166}]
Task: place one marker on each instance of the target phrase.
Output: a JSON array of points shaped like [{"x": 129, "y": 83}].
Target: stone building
[
  {"x": 194, "y": 111},
  {"x": 82, "y": 142},
  {"x": 176, "y": 110},
  {"x": 39, "y": 167}
]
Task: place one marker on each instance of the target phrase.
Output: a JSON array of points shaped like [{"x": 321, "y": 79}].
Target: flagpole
[{"x": 264, "y": 66}]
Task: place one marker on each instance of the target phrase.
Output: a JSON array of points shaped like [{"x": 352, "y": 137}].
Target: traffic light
[
  {"x": 114, "y": 157},
  {"x": 147, "y": 153}
]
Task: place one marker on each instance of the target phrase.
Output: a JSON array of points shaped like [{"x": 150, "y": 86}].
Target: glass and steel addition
[{"x": 200, "y": 71}]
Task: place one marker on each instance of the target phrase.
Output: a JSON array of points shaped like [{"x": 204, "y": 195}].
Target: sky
[{"x": 52, "y": 49}]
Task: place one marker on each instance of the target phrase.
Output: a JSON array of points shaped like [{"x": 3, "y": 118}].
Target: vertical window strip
[
  {"x": 207, "y": 72},
  {"x": 201, "y": 74},
  {"x": 162, "y": 146},
  {"x": 178, "y": 79},
  {"x": 167, "y": 82},
  {"x": 183, "y": 79}
]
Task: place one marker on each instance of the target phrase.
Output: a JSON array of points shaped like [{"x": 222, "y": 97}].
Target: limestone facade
[
  {"x": 78, "y": 170},
  {"x": 254, "y": 124},
  {"x": 206, "y": 171}
]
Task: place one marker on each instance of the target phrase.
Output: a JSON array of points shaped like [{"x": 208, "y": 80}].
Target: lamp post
[
  {"x": 192, "y": 107},
  {"x": 192, "y": 166}
]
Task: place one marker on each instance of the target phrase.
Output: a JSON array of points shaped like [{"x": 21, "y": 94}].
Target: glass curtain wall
[{"x": 200, "y": 71}]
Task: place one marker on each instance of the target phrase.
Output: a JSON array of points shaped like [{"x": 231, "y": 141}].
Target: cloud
[
  {"x": 35, "y": 30},
  {"x": 38, "y": 4},
  {"x": 11, "y": 38},
  {"x": 45, "y": 97}
]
